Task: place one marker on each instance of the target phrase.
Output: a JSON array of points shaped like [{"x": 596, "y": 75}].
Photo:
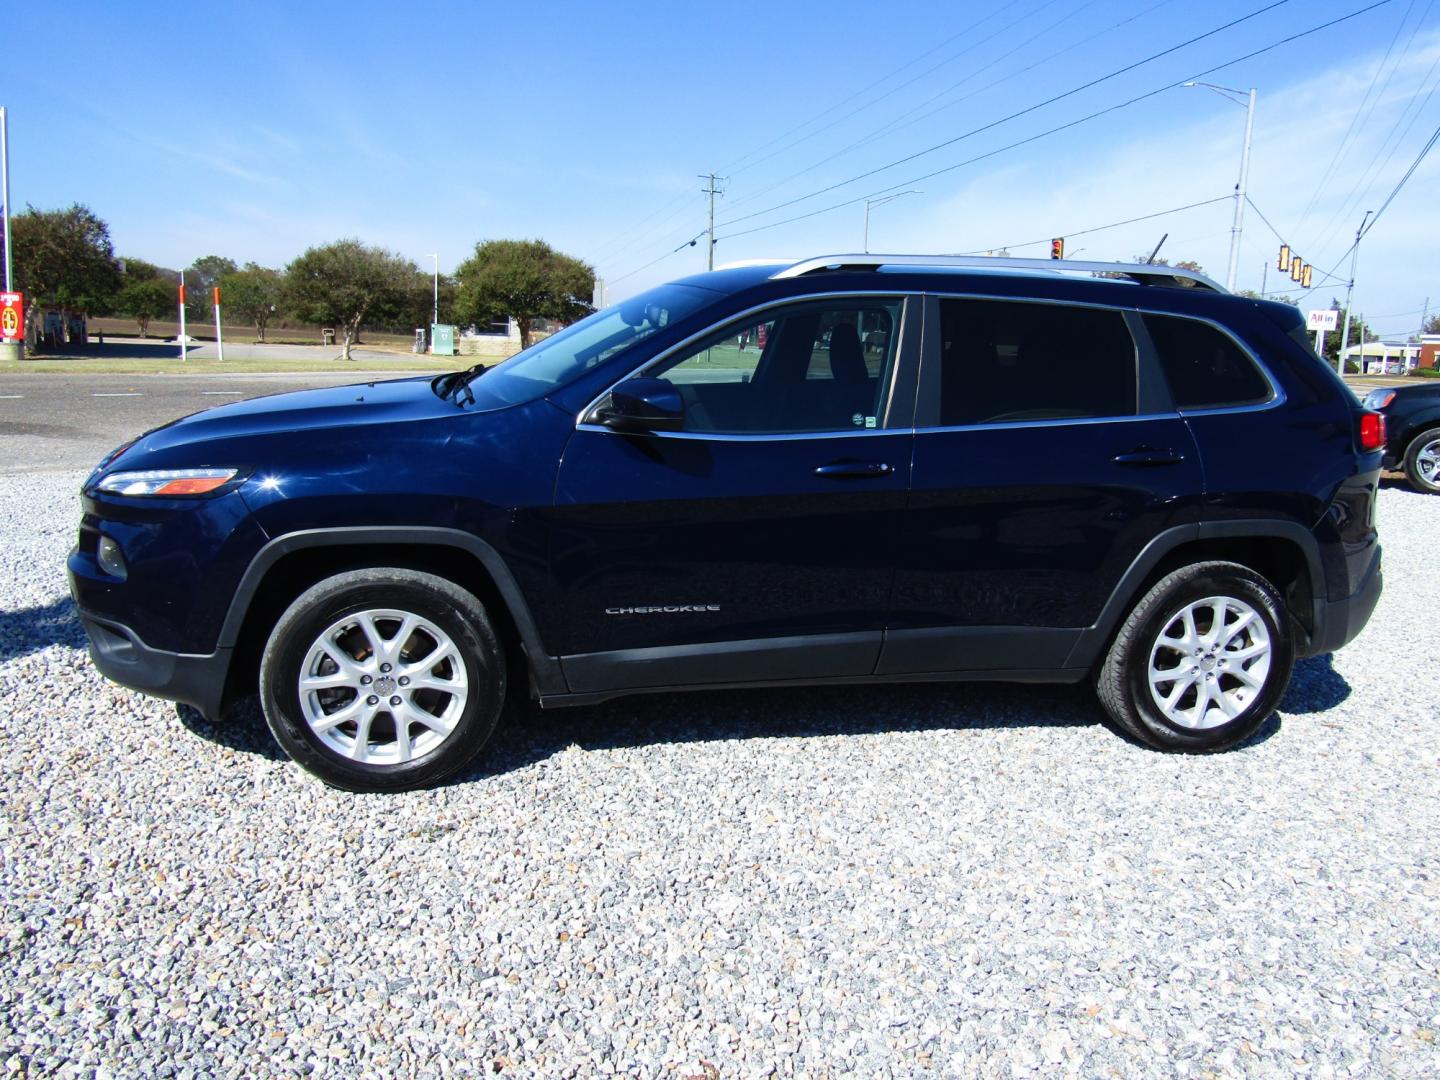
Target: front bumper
[
  {"x": 1339, "y": 622},
  {"x": 193, "y": 679}
]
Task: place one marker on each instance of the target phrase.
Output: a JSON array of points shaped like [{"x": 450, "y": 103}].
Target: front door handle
[
  {"x": 853, "y": 470},
  {"x": 1148, "y": 455}
]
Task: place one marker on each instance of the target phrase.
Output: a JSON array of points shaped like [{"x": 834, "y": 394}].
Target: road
[{"x": 52, "y": 422}]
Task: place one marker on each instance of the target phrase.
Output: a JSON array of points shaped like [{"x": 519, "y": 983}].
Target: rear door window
[
  {"x": 1004, "y": 361},
  {"x": 1205, "y": 368}
]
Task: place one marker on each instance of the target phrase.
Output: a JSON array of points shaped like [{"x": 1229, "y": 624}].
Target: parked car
[
  {"x": 1026, "y": 472},
  {"x": 1412, "y": 418}
]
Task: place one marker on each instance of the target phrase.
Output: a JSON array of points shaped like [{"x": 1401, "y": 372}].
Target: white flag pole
[
  {"x": 219, "y": 338},
  {"x": 182, "y": 314}
]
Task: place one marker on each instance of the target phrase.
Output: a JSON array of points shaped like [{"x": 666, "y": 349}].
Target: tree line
[{"x": 64, "y": 260}]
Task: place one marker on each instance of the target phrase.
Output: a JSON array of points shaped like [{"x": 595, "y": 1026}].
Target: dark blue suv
[{"x": 854, "y": 469}]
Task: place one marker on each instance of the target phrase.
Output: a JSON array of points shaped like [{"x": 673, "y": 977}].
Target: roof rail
[{"x": 1143, "y": 273}]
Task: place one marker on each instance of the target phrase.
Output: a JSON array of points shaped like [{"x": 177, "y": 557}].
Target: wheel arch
[
  {"x": 1416, "y": 425},
  {"x": 289, "y": 564},
  {"x": 1283, "y": 552}
]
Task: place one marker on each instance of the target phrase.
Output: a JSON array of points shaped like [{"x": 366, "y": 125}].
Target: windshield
[{"x": 561, "y": 358}]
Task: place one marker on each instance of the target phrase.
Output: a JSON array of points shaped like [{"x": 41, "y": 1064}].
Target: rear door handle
[
  {"x": 853, "y": 470},
  {"x": 1148, "y": 455}
]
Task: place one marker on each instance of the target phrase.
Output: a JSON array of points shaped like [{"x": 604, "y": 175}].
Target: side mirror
[{"x": 643, "y": 405}]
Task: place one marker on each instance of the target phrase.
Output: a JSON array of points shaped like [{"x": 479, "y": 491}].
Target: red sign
[{"x": 12, "y": 316}]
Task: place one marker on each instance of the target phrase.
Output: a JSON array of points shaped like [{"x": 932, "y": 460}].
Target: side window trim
[
  {"x": 896, "y": 414},
  {"x": 1277, "y": 393}
]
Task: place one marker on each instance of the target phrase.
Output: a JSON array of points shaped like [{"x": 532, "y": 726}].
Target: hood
[{"x": 303, "y": 411}]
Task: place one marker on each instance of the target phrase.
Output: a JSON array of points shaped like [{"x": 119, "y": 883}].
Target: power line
[
  {"x": 1070, "y": 233},
  {"x": 1392, "y": 141},
  {"x": 971, "y": 75},
  {"x": 1355, "y": 119},
  {"x": 1052, "y": 131},
  {"x": 738, "y": 166},
  {"x": 1023, "y": 112},
  {"x": 632, "y": 235},
  {"x": 895, "y": 126}
]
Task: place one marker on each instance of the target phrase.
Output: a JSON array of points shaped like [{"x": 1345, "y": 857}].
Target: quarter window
[
  {"x": 1204, "y": 367},
  {"x": 1005, "y": 361},
  {"x": 813, "y": 367}
]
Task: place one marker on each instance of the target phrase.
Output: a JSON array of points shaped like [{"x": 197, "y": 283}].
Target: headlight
[
  {"x": 1379, "y": 398},
  {"x": 167, "y": 482}
]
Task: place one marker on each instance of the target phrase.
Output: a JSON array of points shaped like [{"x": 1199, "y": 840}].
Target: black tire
[
  {"x": 452, "y": 611},
  {"x": 1123, "y": 683},
  {"x": 1426, "y": 439}
]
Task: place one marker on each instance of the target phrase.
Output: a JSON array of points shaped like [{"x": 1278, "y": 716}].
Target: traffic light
[
  {"x": 1057, "y": 248},
  {"x": 1297, "y": 268},
  {"x": 1284, "y": 257},
  {"x": 1305, "y": 276}
]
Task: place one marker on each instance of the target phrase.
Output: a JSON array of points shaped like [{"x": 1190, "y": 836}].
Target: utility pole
[
  {"x": 1264, "y": 278},
  {"x": 10, "y": 349},
  {"x": 5, "y": 190},
  {"x": 1349, "y": 294},
  {"x": 713, "y": 190}
]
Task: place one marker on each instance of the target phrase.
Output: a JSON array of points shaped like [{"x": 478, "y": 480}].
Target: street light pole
[
  {"x": 435, "y": 311},
  {"x": 881, "y": 202},
  {"x": 1349, "y": 295},
  {"x": 1237, "y": 225}
]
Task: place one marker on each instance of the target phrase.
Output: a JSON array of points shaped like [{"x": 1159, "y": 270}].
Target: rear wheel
[
  {"x": 1422, "y": 462},
  {"x": 1202, "y": 660},
  {"x": 383, "y": 679}
]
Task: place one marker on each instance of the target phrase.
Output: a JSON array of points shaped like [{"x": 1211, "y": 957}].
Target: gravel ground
[{"x": 954, "y": 881}]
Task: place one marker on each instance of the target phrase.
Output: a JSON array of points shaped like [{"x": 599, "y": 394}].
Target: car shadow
[
  {"x": 530, "y": 735},
  {"x": 242, "y": 728},
  {"x": 804, "y": 712},
  {"x": 1315, "y": 686},
  {"x": 31, "y": 629}
]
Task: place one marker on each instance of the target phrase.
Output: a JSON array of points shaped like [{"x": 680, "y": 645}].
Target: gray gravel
[{"x": 954, "y": 881}]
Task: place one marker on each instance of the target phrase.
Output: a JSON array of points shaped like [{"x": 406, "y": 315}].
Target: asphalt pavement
[{"x": 50, "y": 422}]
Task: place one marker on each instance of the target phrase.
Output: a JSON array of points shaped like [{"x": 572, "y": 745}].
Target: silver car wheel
[
  {"x": 1427, "y": 463},
  {"x": 1209, "y": 662},
  {"x": 383, "y": 687}
]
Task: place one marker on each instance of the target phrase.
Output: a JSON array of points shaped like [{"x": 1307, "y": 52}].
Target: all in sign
[{"x": 12, "y": 316}]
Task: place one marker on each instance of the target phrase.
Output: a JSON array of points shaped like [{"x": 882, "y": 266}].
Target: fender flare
[
  {"x": 1123, "y": 597},
  {"x": 548, "y": 676}
]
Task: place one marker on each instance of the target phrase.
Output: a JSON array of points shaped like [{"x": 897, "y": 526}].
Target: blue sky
[{"x": 253, "y": 130}]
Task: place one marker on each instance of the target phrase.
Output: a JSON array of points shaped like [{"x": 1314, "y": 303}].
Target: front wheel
[
  {"x": 1422, "y": 462},
  {"x": 1201, "y": 662},
  {"x": 383, "y": 679}
]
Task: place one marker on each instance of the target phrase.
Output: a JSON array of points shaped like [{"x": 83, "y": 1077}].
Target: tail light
[{"x": 1371, "y": 432}]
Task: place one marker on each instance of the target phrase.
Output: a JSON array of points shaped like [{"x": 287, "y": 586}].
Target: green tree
[
  {"x": 525, "y": 280},
  {"x": 340, "y": 284},
  {"x": 1431, "y": 326},
  {"x": 151, "y": 298},
  {"x": 64, "y": 259},
  {"x": 133, "y": 270},
  {"x": 255, "y": 293},
  {"x": 200, "y": 279}
]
